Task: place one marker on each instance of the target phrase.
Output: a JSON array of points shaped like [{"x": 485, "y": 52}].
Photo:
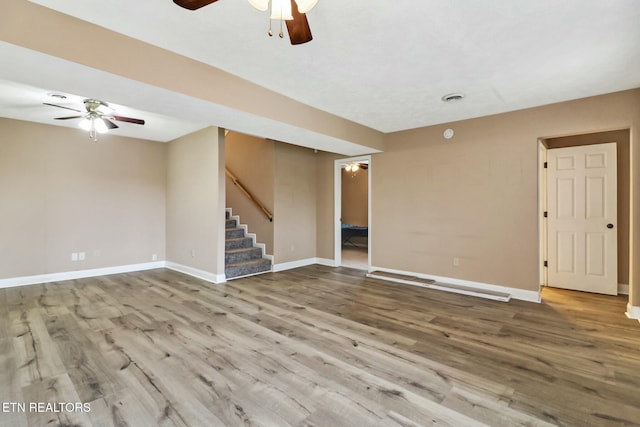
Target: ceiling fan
[
  {"x": 98, "y": 117},
  {"x": 354, "y": 166},
  {"x": 293, "y": 14}
]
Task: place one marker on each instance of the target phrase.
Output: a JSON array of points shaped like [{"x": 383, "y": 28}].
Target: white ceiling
[{"x": 384, "y": 64}]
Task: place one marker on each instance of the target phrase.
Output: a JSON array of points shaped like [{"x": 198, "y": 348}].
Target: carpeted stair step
[
  {"x": 233, "y": 233},
  {"x": 237, "y": 243},
  {"x": 231, "y": 223},
  {"x": 243, "y": 254},
  {"x": 246, "y": 268}
]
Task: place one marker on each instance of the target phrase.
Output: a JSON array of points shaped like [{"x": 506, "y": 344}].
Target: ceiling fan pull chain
[
  {"x": 270, "y": 21},
  {"x": 281, "y": 33}
]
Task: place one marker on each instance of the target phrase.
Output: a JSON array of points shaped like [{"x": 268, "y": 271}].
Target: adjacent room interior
[{"x": 354, "y": 218}]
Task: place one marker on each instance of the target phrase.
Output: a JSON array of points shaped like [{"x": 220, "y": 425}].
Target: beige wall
[
  {"x": 294, "y": 204},
  {"x": 475, "y": 196},
  {"x": 355, "y": 196},
  {"x": 325, "y": 169},
  {"x": 252, "y": 161},
  {"x": 622, "y": 139},
  {"x": 63, "y": 193},
  {"x": 195, "y": 205}
]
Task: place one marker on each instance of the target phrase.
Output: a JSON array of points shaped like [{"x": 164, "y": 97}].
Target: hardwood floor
[{"x": 315, "y": 346}]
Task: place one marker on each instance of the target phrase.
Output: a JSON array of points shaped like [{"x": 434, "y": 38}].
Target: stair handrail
[{"x": 246, "y": 192}]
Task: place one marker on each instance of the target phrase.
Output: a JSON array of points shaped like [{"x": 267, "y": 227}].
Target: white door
[{"x": 582, "y": 213}]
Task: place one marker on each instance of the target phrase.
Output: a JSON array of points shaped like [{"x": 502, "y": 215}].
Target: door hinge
[
  {"x": 546, "y": 263},
  {"x": 545, "y": 214},
  {"x": 546, "y": 165}
]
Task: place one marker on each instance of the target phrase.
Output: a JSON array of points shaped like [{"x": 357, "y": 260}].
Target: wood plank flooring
[{"x": 315, "y": 346}]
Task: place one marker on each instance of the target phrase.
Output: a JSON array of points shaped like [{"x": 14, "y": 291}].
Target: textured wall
[
  {"x": 62, "y": 193},
  {"x": 252, "y": 161},
  {"x": 295, "y": 204},
  {"x": 195, "y": 209},
  {"x": 355, "y": 196},
  {"x": 475, "y": 196}
]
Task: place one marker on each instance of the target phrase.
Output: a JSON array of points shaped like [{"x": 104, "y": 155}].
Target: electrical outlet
[
  {"x": 74, "y": 256},
  {"x": 81, "y": 256},
  {"x": 154, "y": 257},
  {"x": 193, "y": 253},
  {"x": 456, "y": 261}
]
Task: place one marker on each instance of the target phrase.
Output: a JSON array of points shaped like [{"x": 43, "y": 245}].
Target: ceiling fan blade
[
  {"x": 67, "y": 118},
  {"x": 110, "y": 124},
  {"x": 193, "y": 4},
  {"x": 128, "y": 120},
  {"x": 298, "y": 28},
  {"x": 60, "y": 106}
]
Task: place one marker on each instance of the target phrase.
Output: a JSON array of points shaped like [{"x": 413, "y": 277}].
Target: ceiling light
[
  {"x": 305, "y": 6},
  {"x": 94, "y": 125},
  {"x": 352, "y": 167},
  {"x": 453, "y": 97},
  {"x": 281, "y": 10},
  {"x": 261, "y": 5}
]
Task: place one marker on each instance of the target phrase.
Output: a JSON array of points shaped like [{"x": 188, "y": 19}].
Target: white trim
[
  {"x": 503, "y": 297},
  {"x": 623, "y": 289},
  {"x": 519, "y": 294},
  {"x": 303, "y": 263},
  {"x": 633, "y": 312},
  {"x": 326, "y": 261},
  {"x": 78, "y": 274},
  {"x": 542, "y": 207},
  {"x": 294, "y": 264},
  {"x": 200, "y": 274}
]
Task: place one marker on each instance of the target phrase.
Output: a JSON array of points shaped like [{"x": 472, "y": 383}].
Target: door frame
[
  {"x": 542, "y": 207},
  {"x": 580, "y": 227},
  {"x": 337, "y": 212}
]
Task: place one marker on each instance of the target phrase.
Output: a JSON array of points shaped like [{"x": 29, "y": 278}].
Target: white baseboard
[
  {"x": 78, "y": 274},
  {"x": 519, "y": 294},
  {"x": 633, "y": 312},
  {"x": 294, "y": 264},
  {"x": 326, "y": 261},
  {"x": 623, "y": 289},
  {"x": 200, "y": 274}
]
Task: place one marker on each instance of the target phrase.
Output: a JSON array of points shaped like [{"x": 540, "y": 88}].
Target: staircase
[{"x": 242, "y": 257}]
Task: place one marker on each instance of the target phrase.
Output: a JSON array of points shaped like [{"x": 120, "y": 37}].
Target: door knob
[{"x": 609, "y": 225}]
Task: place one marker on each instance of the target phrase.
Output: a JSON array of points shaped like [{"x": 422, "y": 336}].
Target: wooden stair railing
[{"x": 246, "y": 192}]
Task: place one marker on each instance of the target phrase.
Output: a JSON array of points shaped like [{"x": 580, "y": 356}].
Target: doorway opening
[
  {"x": 616, "y": 223},
  {"x": 352, "y": 225}
]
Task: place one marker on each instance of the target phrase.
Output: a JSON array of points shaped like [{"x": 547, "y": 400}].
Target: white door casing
[{"x": 582, "y": 216}]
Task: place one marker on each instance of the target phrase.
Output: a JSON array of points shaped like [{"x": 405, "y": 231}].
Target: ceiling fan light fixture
[
  {"x": 100, "y": 125},
  {"x": 305, "y": 6},
  {"x": 261, "y": 5},
  {"x": 281, "y": 10},
  {"x": 85, "y": 124}
]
